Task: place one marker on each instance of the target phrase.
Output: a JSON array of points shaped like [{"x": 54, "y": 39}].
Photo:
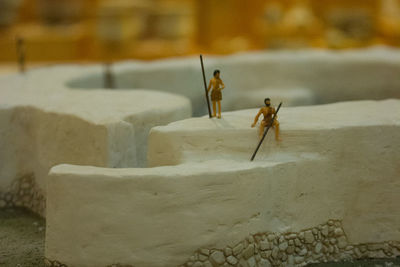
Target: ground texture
[{"x": 21, "y": 238}]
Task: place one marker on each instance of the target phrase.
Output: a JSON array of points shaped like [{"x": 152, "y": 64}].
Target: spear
[
  {"x": 205, "y": 85},
  {"x": 265, "y": 132}
]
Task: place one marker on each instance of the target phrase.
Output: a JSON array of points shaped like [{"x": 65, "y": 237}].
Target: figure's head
[
  {"x": 267, "y": 102},
  {"x": 216, "y": 73}
]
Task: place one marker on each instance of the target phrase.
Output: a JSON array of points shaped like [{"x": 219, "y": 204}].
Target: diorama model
[
  {"x": 267, "y": 112},
  {"x": 157, "y": 186},
  {"x": 216, "y": 95}
]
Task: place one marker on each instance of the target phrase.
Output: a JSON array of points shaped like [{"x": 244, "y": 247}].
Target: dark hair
[
  {"x": 216, "y": 71},
  {"x": 267, "y": 99}
]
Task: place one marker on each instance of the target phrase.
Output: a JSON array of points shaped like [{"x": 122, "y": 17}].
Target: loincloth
[
  {"x": 268, "y": 121},
  {"x": 216, "y": 95}
]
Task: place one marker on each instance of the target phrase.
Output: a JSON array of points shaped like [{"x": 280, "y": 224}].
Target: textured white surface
[
  {"x": 44, "y": 123},
  {"x": 330, "y": 76},
  {"x": 337, "y": 161}
]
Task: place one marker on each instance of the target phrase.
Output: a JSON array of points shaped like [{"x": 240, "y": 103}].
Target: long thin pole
[
  {"x": 205, "y": 85},
  {"x": 265, "y": 132}
]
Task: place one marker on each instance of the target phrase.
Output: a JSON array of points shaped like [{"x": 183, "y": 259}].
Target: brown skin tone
[
  {"x": 267, "y": 113},
  {"x": 216, "y": 84}
]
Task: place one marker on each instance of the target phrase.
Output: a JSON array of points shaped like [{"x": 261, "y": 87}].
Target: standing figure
[
  {"x": 216, "y": 95},
  {"x": 267, "y": 112}
]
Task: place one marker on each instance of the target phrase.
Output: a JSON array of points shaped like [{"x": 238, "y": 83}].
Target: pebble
[
  {"x": 217, "y": 257},
  {"x": 338, "y": 232},
  {"x": 231, "y": 260},
  {"x": 283, "y": 246},
  {"x": 237, "y": 249},
  {"x": 265, "y": 245},
  {"x": 308, "y": 237},
  {"x": 252, "y": 262},
  {"x": 342, "y": 242},
  {"x": 228, "y": 251},
  {"x": 249, "y": 251},
  {"x": 271, "y": 237},
  {"x": 264, "y": 263},
  {"x": 318, "y": 248}
]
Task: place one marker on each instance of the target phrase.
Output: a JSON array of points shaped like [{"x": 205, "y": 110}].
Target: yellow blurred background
[{"x": 110, "y": 30}]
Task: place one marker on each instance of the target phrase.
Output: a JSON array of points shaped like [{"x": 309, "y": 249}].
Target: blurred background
[{"x": 109, "y": 30}]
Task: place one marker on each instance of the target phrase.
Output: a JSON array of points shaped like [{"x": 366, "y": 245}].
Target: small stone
[
  {"x": 338, "y": 232},
  {"x": 315, "y": 231},
  {"x": 297, "y": 242},
  {"x": 331, "y": 229},
  {"x": 205, "y": 251},
  {"x": 301, "y": 235},
  {"x": 290, "y": 250},
  {"x": 283, "y": 246},
  {"x": 275, "y": 252},
  {"x": 281, "y": 239},
  {"x": 291, "y": 236},
  {"x": 342, "y": 242},
  {"x": 258, "y": 257},
  {"x": 264, "y": 263},
  {"x": 332, "y": 241},
  {"x": 317, "y": 256},
  {"x": 207, "y": 264},
  {"x": 252, "y": 262},
  {"x": 237, "y": 249},
  {"x": 291, "y": 242},
  {"x": 308, "y": 237},
  {"x": 266, "y": 254},
  {"x": 358, "y": 253},
  {"x": 325, "y": 230},
  {"x": 249, "y": 251},
  {"x": 349, "y": 248},
  {"x": 228, "y": 251},
  {"x": 217, "y": 257},
  {"x": 303, "y": 252},
  {"x": 318, "y": 248},
  {"x": 283, "y": 257},
  {"x": 363, "y": 248},
  {"x": 330, "y": 222},
  {"x": 243, "y": 263},
  {"x": 271, "y": 237},
  {"x": 203, "y": 257},
  {"x": 250, "y": 239},
  {"x": 264, "y": 245},
  {"x": 298, "y": 259},
  {"x": 231, "y": 260}
]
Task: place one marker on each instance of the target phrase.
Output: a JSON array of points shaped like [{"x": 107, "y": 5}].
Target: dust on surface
[{"x": 22, "y": 235}]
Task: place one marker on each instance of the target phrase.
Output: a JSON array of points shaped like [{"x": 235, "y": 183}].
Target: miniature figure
[
  {"x": 216, "y": 95},
  {"x": 267, "y": 112}
]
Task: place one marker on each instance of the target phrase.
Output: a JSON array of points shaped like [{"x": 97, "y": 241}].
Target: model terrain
[{"x": 129, "y": 178}]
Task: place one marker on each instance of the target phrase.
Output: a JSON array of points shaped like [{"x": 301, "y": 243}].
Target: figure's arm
[
  {"x": 222, "y": 85},
  {"x": 256, "y": 118},
  {"x": 209, "y": 86}
]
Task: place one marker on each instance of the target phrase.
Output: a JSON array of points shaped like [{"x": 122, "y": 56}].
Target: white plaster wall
[
  {"x": 44, "y": 123},
  {"x": 343, "y": 167},
  {"x": 330, "y": 76}
]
